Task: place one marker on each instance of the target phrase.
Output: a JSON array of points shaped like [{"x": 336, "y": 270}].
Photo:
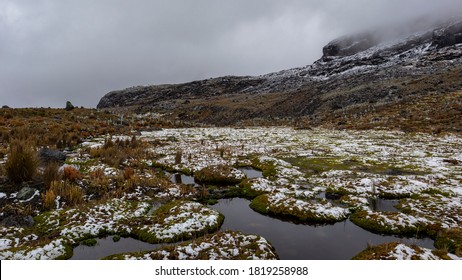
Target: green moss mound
[
  {"x": 220, "y": 246},
  {"x": 219, "y": 175}
]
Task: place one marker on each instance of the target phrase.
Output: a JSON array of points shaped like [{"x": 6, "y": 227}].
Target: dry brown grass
[
  {"x": 56, "y": 127},
  {"x": 69, "y": 193},
  {"x": 50, "y": 173},
  {"x": 22, "y": 161},
  {"x": 48, "y": 200},
  {"x": 116, "y": 153}
]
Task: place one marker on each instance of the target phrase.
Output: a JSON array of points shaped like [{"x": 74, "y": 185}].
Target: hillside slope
[{"x": 409, "y": 81}]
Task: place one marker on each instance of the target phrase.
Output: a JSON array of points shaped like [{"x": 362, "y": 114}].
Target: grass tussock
[
  {"x": 117, "y": 153},
  {"x": 50, "y": 173},
  {"x": 69, "y": 194},
  {"x": 22, "y": 161}
]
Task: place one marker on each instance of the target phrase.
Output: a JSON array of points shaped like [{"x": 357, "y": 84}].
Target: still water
[
  {"x": 340, "y": 241},
  {"x": 106, "y": 246}
]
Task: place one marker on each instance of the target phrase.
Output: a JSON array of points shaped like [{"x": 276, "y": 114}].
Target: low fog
[{"x": 57, "y": 50}]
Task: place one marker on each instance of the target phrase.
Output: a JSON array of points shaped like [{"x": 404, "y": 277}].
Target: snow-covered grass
[
  {"x": 180, "y": 220},
  {"x": 311, "y": 211},
  {"x": 399, "y": 251},
  {"x": 175, "y": 221},
  {"x": 422, "y": 170},
  {"x": 299, "y": 164},
  {"x": 220, "y": 246},
  {"x": 55, "y": 249},
  {"x": 390, "y": 222}
]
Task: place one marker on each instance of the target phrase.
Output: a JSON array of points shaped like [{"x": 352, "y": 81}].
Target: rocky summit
[{"x": 404, "y": 78}]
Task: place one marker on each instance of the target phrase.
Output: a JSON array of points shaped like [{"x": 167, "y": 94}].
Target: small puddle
[
  {"x": 340, "y": 241},
  {"x": 106, "y": 247},
  {"x": 179, "y": 178},
  {"x": 251, "y": 173},
  {"x": 380, "y": 204}
]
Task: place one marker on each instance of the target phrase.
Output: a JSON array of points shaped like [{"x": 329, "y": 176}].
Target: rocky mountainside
[{"x": 410, "y": 79}]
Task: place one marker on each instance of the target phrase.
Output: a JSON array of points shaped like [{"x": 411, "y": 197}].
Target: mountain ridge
[{"x": 354, "y": 72}]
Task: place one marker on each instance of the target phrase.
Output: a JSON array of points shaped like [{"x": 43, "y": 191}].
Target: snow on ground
[
  {"x": 403, "y": 252},
  {"x": 184, "y": 219},
  {"x": 423, "y": 169},
  {"x": 310, "y": 211},
  {"x": 116, "y": 216},
  {"x": 220, "y": 246},
  {"x": 52, "y": 250},
  {"x": 363, "y": 164}
]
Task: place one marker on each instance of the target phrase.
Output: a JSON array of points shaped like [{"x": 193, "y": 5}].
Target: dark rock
[
  {"x": 69, "y": 106},
  {"x": 349, "y": 45},
  {"x": 5, "y": 107},
  {"x": 448, "y": 35},
  {"x": 18, "y": 221},
  {"x": 47, "y": 156},
  {"x": 25, "y": 193}
]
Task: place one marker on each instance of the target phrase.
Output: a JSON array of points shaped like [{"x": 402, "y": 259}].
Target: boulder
[
  {"x": 18, "y": 221},
  {"x": 47, "y": 155},
  {"x": 69, "y": 106},
  {"x": 25, "y": 193}
]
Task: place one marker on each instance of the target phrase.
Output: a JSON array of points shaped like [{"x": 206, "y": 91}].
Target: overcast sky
[{"x": 78, "y": 50}]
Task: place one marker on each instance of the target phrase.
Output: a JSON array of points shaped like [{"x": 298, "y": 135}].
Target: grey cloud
[{"x": 57, "y": 50}]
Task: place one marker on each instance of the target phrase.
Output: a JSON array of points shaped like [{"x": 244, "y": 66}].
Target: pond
[
  {"x": 251, "y": 173},
  {"x": 179, "y": 178},
  {"x": 375, "y": 204},
  {"x": 379, "y": 204},
  {"x": 106, "y": 246},
  {"x": 340, "y": 241}
]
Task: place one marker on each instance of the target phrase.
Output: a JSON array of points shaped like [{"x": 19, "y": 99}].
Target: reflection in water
[
  {"x": 179, "y": 178},
  {"x": 297, "y": 241},
  {"x": 106, "y": 246},
  {"x": 379, "y": 204},
  {"x": 251, "y": 173},
  {"x": 339, "y": 241}
]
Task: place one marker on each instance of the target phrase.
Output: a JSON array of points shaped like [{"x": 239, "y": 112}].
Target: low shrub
[{"x": 71, "y": 174}]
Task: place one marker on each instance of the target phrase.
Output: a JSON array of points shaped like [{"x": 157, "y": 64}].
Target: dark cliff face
[{"x": 359, "y": 72}]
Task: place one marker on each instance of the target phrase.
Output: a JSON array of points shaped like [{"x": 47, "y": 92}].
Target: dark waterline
[
  {"x": 106, "y": 247},
  {"x": 375, "y": 204},
  {"x": 340, "y": 241}
]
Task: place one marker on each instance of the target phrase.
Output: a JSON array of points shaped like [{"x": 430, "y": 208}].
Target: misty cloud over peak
[{"x": 58, "y": 50}]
